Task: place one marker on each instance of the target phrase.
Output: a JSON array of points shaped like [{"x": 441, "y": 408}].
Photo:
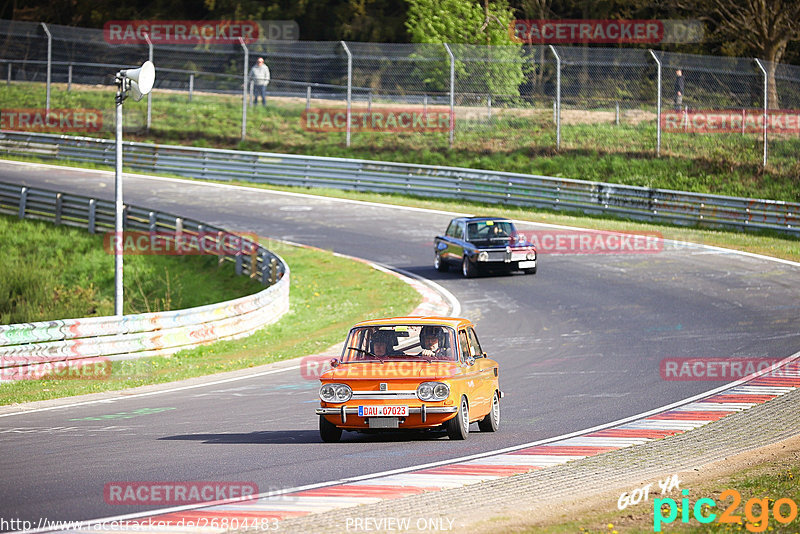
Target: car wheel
[
  {"x": 467, "y": 268},
  {"x": 458, "y": 426},
  {"x": 491, "y": 422},
  {"x": 329, "y": 432},
  {"x": 439, "y": 263}
]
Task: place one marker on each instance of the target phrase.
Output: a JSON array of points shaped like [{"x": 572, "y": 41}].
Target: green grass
[
  {"x": 328, "y": 295},
  {"x": 55, "y": 272},
  {"x": 520, "y": 140}
]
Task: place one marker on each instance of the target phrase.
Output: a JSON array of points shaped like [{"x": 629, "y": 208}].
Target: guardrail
[
  {"x": 656, "y": 205},
  {"x": 25, "y": 348}
]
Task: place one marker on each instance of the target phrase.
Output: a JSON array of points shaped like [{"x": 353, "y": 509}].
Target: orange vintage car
[{"x": 410, "y": 373}]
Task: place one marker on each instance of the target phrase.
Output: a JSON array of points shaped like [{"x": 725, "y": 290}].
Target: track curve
[{"x": 579, "y": 344}]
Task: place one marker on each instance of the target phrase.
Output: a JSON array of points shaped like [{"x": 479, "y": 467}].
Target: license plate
[
  {"x": 383, "y": 411},
  {"x": 527, "y": 264},
  {"x": 383, "y": 422}
]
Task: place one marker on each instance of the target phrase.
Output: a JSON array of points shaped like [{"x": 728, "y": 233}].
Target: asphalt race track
[{"x": 579, "y": 345}]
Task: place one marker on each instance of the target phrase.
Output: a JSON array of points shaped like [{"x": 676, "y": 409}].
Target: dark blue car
[{"x": 483, "y": 244}]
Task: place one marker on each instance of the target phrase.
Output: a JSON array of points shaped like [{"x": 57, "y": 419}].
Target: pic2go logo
[{"x": 756, "y": 522}]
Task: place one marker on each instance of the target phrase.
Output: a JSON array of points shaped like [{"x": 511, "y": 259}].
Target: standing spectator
[
  {"x": 678, "y": 89},
  {"x": 259, "y": 74}
]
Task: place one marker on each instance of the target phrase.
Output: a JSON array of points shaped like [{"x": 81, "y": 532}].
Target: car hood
[{"x": 392, "y": 370}]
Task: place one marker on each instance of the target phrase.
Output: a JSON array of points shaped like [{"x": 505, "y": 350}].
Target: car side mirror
[
  {"x": 484, "y": 355},
  {"x": 470, "y": 360},
  {"x": 334, "y": 363}
]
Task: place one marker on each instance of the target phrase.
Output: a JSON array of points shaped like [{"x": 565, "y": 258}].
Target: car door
[
  {"x": 454, "y": 235},
  {"x": 486, "y": 370},
  {"x": 457, "y": 245}
]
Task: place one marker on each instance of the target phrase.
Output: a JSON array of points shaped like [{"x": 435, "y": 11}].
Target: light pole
[{"x": 137, "y": 82}]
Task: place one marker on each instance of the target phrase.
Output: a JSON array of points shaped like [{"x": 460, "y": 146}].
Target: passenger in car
[{"x": 383, "y": 344}]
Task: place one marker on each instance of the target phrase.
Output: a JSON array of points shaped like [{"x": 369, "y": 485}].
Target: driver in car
[{"x": 432, "y": 341}]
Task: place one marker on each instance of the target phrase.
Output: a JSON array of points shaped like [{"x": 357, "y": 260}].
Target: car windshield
[
  {"x": 490, "y": 231},
  {"x": 400, "y": 342}
]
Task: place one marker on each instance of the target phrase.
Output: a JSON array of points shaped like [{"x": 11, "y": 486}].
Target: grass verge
[
  {"x": 328, "y": 295},
  {"x": 517, "y": 140},
  {"x": 56, "y": 272}
]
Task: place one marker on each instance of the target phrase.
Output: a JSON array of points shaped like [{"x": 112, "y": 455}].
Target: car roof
[
  {"x": 479, "y": 218},
  {"x": 453, "y": 322}
]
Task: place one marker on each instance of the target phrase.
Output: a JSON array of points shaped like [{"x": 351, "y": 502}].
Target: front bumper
[
  {"x": 423, "y": 410},
  {"x": 504, "y": 258}
]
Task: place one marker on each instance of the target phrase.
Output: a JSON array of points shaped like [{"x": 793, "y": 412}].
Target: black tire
[
  {"x": 440, "y": 264},
  {"x": 329, "y": 432},
  {"x": 458, "y": 426},
  {"x": 467, "y": 268},
  {"x": 491, "y": 422}
]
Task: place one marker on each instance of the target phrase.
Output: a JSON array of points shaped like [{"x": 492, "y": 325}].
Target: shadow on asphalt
[
  {"x": 293, "y": 437},
  {"x": 454, "y": 273}
]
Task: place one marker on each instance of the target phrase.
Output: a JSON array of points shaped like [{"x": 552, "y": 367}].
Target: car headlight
[
  {"x": 335, "y": 393},
  {"x": 530, "y": 255},
  {"x": 433, "y": 391},
  {"x": 483, "y": 256}
]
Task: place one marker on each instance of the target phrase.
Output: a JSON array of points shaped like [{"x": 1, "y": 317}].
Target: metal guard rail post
[{"x": 24, "y": 348}]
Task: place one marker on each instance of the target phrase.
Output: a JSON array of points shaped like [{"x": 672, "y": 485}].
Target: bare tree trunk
[{"x": 772, "y": 88}]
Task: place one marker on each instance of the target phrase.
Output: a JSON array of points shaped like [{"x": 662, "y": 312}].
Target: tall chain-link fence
[{"x": 547, "y": 98}]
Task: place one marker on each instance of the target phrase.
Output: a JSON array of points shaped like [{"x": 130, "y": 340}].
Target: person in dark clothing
[{"x": 678, "y": 89}]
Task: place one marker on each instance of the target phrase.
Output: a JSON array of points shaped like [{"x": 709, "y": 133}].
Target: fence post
[
  {"x": 489, "y": 106},
  {"x": 308, "y": 98},
  {"x": 93, "y": 215},
  {"x": 59, "y": 206},
  {"x": 766, "y": 88},
  {"x": 558, "y": 96},
  {"x": 49, "y": 64},
  {"x": 658, "y": 104},
  {"x": 191, "y": 85},
  {"x": 244, "y": 87},
  {"x": 150, "y": 94},
  {"x": 616, "y": 117},
  {"x": 8, "y": 81},
  {"x": 23, "y": 199},
  {"x": 349, "y": 87},
  {"x": 452, "y": 93},
  {"x": 69, "y": 78}
]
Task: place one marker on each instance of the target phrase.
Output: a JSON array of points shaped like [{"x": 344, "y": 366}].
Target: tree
[
  {"x": 763, "y": 28},
  {"x": 497, "y": 68}
]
